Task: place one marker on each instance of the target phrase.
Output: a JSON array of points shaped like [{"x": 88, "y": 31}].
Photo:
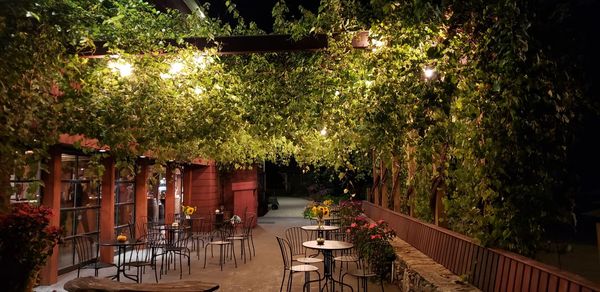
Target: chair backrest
[
  {"x": 295, "y": 237},
  {"x": 155, "y": 239},
  {"x": 182, "y": 236},
  {"x": 248, "y": 224},
  {"x": 141, "y": 228},
  {"x": 86, "y": 248},
  {"x": 141, "y": 252},
  {"x": 286, "y": 252}
]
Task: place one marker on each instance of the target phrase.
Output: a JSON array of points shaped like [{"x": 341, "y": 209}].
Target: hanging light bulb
[
  {"x": 125, "y": 69},
  {"x": 176, "y": 67},
  {"x": 428, "y": 72},
  {"x": 324, "y": 131}
]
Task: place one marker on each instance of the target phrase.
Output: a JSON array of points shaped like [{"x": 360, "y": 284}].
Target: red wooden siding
[
  {"x": 488, "y": 269},
  {"x": 205, "y": 189}
]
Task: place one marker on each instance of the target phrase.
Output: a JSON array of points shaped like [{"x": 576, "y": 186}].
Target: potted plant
[
  {"x": 371, "y": 240},
  {"x": 26, "y": 243}
]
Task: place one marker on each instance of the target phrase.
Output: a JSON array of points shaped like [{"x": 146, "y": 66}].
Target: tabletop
[
  {"x": 316, "y": 227},
  {"x": 328, "y": 245},
  {"x": 121, "y": 243}
]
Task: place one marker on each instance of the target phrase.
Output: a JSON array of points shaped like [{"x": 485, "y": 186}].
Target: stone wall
[{"x": 414, "y": 271}]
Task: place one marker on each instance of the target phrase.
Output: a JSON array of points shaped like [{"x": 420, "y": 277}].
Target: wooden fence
[{"x": 487, "y": 269}]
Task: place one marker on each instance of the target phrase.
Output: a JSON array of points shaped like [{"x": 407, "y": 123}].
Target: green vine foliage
[{"x": 495, "y": 101}]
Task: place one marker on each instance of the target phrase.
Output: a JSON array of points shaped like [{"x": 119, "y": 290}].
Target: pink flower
[
  {"x": 348, "y": 230},
  {"x": 353, "y": 225},
  {"x": 375, "y": 236},
  {"x": 373, "y": 225}
]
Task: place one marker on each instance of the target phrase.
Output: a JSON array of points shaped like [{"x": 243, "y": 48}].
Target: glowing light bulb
[
  {"x": 324, "y": 132},
  {"x": 198, "y": 90},
  {"x": 176, "y": 67},
  {"x": 377, "y": 44},
  {"x": 125, "y": 69},
  {"x": 428, "y": 72}
]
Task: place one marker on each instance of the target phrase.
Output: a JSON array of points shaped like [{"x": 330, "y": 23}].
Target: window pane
[
  {"x": 65, "y": 254},
  {"x": 125, "y": 214},
  {"x": 67, "y": 222},
  {"x": 87, "y": 221}
]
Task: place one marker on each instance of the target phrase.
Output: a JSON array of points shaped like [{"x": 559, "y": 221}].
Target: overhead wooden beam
[{"x": 235, "y": 45}]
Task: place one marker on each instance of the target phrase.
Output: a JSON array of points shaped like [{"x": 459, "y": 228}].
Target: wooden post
[
  {"x": 107, "y": 209},
  {"x": 383, "y": 172},
  {"x": 51, "y": 199},
  {"x": 376, "y": 181},
  {"x": 396, "y": 195},
  {"x": 170, "y": 193},
  {"x": 141, "y": 191}
]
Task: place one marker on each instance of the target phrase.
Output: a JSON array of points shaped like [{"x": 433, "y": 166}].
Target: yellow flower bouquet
[{"x": 188, "y": 210}]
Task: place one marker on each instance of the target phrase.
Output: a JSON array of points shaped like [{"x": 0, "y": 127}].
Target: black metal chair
[
  {"x": 345, "y": 257},
  {"x": 289, "y": 269},
  {"x": 142, "y": 256},
  {"x": 200, "y": 233},
  {"x": 218, "y": 238},
  {"x": 295, "y": 237},
  {"x": 246, "y": 236},
  {"x": 88, "y": 251},
  {"x": 177, "y": 246},
  {"x": 362, "y": 275}
]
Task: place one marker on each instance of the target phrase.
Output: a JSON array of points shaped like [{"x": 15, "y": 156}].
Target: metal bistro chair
[
  {"x": 289, "y": 269},
  {"x": 295, "y": 237},
  {"x": 88, "y": 255},
  {"x": 218, "y": 238},
  {"x": 142, "y": 256},
  {"x": 345, "y": 257},
  {"x": 200, "y": 233},
  {"x": 362, "y": 275},
  {"x": 245, "y": 236},
  {"x": 177, "y": 246}
]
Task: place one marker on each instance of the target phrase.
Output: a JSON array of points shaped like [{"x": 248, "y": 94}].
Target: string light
[
  {"x": 428, "y": 72},
  {"x": 125, "y": 69},
  {"x": 324, "y": 131},
  {"x": 176, "y": 67}
]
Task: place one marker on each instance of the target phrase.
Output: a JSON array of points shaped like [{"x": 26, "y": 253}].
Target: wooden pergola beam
[{"x": 236, "y": 45}]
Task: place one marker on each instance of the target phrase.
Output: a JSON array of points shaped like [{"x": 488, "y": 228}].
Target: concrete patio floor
[{"x": 263, "y": 273}]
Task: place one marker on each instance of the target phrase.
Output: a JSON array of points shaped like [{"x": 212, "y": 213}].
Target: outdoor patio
[{"x": 262, "y": 273}]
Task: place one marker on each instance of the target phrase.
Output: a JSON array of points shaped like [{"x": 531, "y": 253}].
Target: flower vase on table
[{"x": 320, "y": 222}]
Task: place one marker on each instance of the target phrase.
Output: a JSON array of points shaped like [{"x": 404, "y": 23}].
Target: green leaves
[{"x": 491, "y": 102}]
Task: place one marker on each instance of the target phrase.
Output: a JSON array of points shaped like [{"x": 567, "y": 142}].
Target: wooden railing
[{"x": 488, "y": 269}]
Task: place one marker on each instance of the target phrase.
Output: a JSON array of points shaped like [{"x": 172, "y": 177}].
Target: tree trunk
[
  {"x": 5, "y": 190},
  {"x": 396, "y": 194}
]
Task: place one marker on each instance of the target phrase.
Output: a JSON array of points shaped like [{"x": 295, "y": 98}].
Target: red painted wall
[
  {"x": 240, "y": 191},
  {"x": 205, "y": 189}
]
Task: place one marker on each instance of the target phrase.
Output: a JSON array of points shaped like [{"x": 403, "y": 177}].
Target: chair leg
[
  {"x": 282, "y": 280},
  {"x": 180, "y": 267},
  {"x": 206, "y": 246},
  {"x": 155, "y": 272},
  {"x": 306, "y": 280},
  {"x": 233, "y": 252}
]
